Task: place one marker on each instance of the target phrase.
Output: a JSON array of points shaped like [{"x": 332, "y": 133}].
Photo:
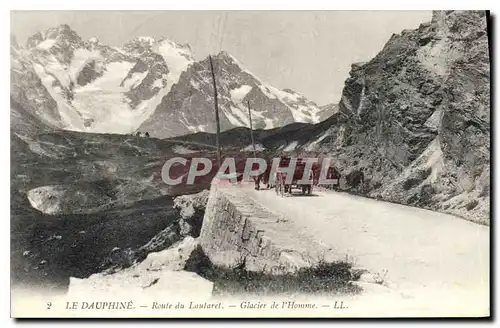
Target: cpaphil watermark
[{"x": 179, "y": 170}]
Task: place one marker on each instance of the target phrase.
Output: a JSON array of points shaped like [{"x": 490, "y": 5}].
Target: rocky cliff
[
  {"x": 414, "y": 121},
  {"x": 422, "y": 106}
]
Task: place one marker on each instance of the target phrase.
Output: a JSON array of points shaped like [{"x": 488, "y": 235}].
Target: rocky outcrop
[
  {"x": 239, "y": 233},
  {"x": 415, "y": 120},
  {"x": 160, "y": 274},
  {"x": 172, "y": 258},
  {"x": 185, "y": 226},
  {"x": 452, "y": 172},
  {"x": 90, "y": 72},
  {"x": 155, "y": 79},
  {"x": 192, "y": 210}
]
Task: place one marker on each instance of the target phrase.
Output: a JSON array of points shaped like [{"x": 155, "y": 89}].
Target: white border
[
  {"x": 250, "y": 5},
  {"x": 180, "y": 5}
]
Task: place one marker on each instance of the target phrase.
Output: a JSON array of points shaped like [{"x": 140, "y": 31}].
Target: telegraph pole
[
  {"x": 251, "y": 129},
  {"x": 216, "y": 113}
]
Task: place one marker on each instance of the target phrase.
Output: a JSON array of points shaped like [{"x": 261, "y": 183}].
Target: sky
[{"x": 310, "y": 52}]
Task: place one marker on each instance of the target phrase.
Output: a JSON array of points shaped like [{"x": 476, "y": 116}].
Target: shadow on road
[
  {"x": 297, "y": 193},
  {"x": 300, "y": 194}
]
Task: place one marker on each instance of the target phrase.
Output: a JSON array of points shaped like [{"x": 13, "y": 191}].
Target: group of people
[{"x": 146, "y": 134}]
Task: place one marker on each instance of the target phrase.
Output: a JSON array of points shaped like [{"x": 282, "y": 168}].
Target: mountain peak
[
  {"x": 94, "y": 40},
  {"x": 144, "y": 39},
  {"x": 64, "y": 27},
  {"x": 61, "y": 32},
  {"x": 187, "y": 46},
  {"x": 224, "y": 55}
]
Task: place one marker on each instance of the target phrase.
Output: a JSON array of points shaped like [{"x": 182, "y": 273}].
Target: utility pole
[
  {"x": 216, "y": 113},
  {"x": 251, "y": 128}
]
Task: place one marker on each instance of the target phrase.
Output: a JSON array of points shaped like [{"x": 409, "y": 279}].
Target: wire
[{"x": 223, "y": 31}]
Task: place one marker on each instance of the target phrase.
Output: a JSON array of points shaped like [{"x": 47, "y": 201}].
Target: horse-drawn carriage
[{"x": 298, "y": 180}]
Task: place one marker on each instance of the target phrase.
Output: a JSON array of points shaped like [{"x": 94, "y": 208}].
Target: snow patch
[
  {"x": 232, "y": 118},
  {"x": 102, "y": 101},
  {"x": 195, "y": 84},
  {"x": 362, "y": 100},
  {"x": 54, "y": 67},
  {"x": 94, "y": 39},
  {"x": 435, "y": 160},
  {"x": 177, "y": 58},
  {"x": 434, "y": 121},
  {"x": 111, "y": 79},
  {"x": 241, "y": 115},
  {"x": 82, "y": 57},
  {"x": 258, "y": 147},
  {"x": 269, "y": 123},
  {"x": 146, "y": 39},
  {"x": 134, "y": 80},
  {"x": 239, "y": 93},
  {"x": 312, "y": 146},
  {"x": 291, "y": 146},
  {"x": 159, "y": 83},
  {"x": 69, "y": 117},
  {"x": 46, "y": 44}
]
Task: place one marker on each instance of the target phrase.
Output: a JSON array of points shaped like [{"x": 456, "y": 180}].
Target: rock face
[
  {"x": 173, "y": 258},
  {"x": 192, "y": 209},
  {"x": 239, "y": 233},
  {"x": 413, "y": 125},
  {"x": 448, "y": 144}
]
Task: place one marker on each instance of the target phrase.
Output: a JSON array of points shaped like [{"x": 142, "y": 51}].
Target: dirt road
[{"x": 419, "y": 253}]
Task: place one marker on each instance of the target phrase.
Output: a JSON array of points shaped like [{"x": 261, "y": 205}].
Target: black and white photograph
[{"x": 250, "y": 164}]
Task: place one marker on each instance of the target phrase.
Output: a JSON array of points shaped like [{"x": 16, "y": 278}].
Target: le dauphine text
[{"x": 191, "y": 305}]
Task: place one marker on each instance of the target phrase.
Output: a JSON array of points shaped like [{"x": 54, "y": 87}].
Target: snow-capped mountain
[
  {"x": 98, "y": 88},
  {"x": 149, "y": 84},
  {"x": 189, "y": 106}
]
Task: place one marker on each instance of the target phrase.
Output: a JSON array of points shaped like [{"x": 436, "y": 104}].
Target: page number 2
[{"x": 49, "y": 305}]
